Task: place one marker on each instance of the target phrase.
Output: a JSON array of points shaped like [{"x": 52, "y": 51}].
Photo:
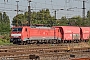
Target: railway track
[
  {"x": 38, "y": 46},
  {"x": 43, "y": 51},
  {"x": 82, "y": 59},
  {"x": 46, "y": 56}
]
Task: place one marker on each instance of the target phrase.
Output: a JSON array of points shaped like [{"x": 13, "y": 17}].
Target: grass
[
  {"x": 4, "y": 42},
  {"x": 89, "y": 42}
]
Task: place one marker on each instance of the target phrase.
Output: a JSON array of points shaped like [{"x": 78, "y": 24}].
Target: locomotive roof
[{"x": 42, "y": 27}]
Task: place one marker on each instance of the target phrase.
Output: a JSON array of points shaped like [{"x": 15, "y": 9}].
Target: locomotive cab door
[
  {"x": 59, "y": 33},
  {"x": 27, "y": 33}
]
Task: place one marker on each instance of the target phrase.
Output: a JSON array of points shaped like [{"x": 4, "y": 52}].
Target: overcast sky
[{"x": 37, "y": 5}]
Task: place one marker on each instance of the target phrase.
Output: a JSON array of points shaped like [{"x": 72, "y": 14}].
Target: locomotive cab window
[{"x": 16, "y": 29}]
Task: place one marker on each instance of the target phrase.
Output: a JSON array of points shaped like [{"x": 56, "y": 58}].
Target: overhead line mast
[
  {"x": 17, "y": 7},
  {"x": 83, "y": 10},
  {"x": 83, "y": 13},
  {"x": 29, "y": 13},
  {"x": 17, "y": 11}
]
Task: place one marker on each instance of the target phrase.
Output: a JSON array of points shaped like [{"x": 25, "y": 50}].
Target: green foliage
[
  {"x": 88, "y": 15},
  {"x": 19, "y": 20},
  {"x": 4, "y": 27},
  {"x": 76, "y": 21},
  {"x": 41, "y": 17},
  {"x": 5, "y": 39},
  {"x": 4, "y": 42},
  {"x": 4, "y": 22}
]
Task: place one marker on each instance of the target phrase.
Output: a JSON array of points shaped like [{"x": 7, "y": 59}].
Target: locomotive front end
[{"x": 16, "y": 35}]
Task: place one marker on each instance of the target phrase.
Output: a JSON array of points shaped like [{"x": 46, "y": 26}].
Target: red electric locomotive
[{"x": 28, "y": 34}]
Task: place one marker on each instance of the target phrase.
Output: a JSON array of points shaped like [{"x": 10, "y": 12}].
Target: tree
[
  {"x": 19, "y": 20},
  {"x": 0, "y": 17},
  {"x": 40, "y": 17},
  {"x": 88, "y": 18},
  {"x": 88, "y": 15},
  {"x": 63, "y": 21},
  {"x": 76, "y": 21},
  {"x": 4, "y": 22}
]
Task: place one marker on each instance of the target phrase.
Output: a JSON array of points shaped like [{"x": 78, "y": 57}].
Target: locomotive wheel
[
  {"x": 69, "y": 41},
  {"x": 54, "y": 41},
  {"x": 50, "y": 41},
  {"x": 65, "y": 41},
  {"x": 86, "y": 41},
  {"x": 14, "y": 42},
  {"x": 27, "y": 41},
  {"x": 23, "y": 43},
  {"x": 74, "y": 41}
]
